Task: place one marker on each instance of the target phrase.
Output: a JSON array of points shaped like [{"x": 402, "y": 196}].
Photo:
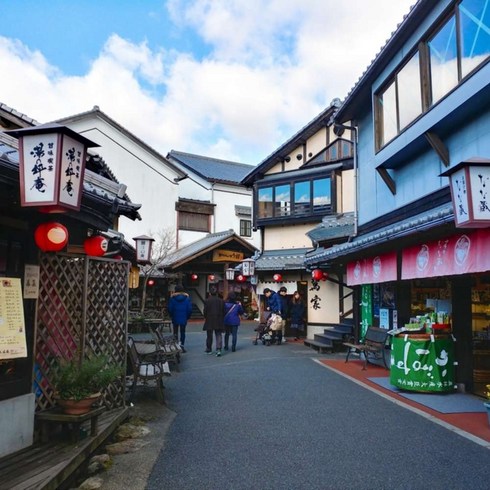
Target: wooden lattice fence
[{"x": 82, "y": 311}]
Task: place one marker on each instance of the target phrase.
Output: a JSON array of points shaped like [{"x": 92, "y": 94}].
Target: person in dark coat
[
  {"x": 180, "y": 309},
  {"x": 274, "y": 305},
  {"x": 233, "y": 309},
  {"x": 284, "y": 311},
  {"x": 214, "y": 313},
  {"x": 297, "y": 315}
]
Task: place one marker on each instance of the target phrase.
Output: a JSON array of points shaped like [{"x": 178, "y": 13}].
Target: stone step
[{"x": 320, "y": 346}]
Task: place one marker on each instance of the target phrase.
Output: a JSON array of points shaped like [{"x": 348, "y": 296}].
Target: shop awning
[{"x": 381, "y": 268}]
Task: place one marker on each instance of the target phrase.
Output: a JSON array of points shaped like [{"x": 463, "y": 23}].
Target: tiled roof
[
  {"x": 333, "y": 227},
  {"x": 440, "y": 215},
  {"x": 211, "y": 169},
  {"x": 202, "y": 246},
  {"x": 287, "y": 259}
]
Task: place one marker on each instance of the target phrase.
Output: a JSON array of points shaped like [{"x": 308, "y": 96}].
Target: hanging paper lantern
[
  {"x": 194, "y": 277},
  {"x": 211, "y": 277},
  {"x": 324, "y": 276},
  {"x": 51, "y": 237},
  {"x": 96, "y": 246},
  {"x": 240, "y": 278},
  {"x": 317, "y": 274},
  {"x": 150, "y": 282},
  {"x": 277, "y": 277}
]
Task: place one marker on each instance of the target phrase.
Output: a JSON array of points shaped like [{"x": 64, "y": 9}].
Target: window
[
  {"x": 454, "y": 50},
  {"x": 265, "y": 203},
  {"x": 295, "y": 199},
  {"x": 194, "y": 221},
  {"x": 245, "y": 227}
]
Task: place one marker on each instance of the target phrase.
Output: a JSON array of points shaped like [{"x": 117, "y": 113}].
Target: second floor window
[
  {"x": 245, "y": 227},
  {"x": 295, "y": 199},
  {"x": 449, "y": 53}
]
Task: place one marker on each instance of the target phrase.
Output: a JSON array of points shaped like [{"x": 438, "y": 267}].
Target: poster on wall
[
  {"x": 31, "y": 281},
  {"x": 12, "y": 325}
]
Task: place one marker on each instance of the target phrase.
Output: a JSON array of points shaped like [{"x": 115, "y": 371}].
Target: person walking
[
  {"x": 297, "y": 315},
  {"x": 284, "y": 310},
  {"x": 274, "y": 305},
  {"x": 214, "y": 312},
  {"x": 180, "y": 309},
  {"x": 234, "y": 310}
]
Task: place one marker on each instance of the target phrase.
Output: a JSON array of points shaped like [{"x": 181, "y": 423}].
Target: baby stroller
[{"x": 264, "y": 332}]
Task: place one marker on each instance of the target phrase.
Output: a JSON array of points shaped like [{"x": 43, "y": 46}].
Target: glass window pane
[
  {"x": 283, "y": 200},
  {"x": 409, "y": 92},
  {"x": 387, "y": 102},
  {"x": 475, "y": 33},
  {"x": 443, "y": 60},
  {"x": 321, "y": 194},
  {"x": 265, "y": 202},
  {"x": 302, "y": 204}
]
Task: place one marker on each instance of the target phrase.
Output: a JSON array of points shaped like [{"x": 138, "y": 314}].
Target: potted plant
[{"x": 78, "y": 384}]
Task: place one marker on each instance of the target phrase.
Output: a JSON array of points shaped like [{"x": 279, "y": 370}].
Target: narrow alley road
[{"x": 273, "y": 418}]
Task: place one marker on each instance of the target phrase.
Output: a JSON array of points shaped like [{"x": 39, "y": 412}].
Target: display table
[{"x": 423, "y": 362}]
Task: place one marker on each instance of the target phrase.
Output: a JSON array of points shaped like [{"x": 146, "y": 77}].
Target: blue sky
[{"x": 231, "y": 79}]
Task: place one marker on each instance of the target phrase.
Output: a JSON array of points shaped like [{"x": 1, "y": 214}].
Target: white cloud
[{"x": 272, "y": 66}]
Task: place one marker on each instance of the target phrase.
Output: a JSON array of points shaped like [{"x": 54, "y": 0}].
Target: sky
[{"x": 229, "y": 79}]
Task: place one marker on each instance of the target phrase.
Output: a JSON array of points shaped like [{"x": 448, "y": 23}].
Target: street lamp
[
  {"x": 230, "y": 274},
  {"x": 248, "y": 267},
  {"x": 143, "y": 249},
  {"x": 51, "y": 166}
]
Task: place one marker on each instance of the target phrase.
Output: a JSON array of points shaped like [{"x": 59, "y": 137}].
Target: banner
[
  {"x": 459, "y": 254},
  {"x": 366, "y": 308},
  {"x": 381, "y": 268}
]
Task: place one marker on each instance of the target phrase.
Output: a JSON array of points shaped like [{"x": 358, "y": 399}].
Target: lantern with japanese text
[
  {"x": 248, "y": 267},
  {"x": 96, "y": 246},
  {"x": 230, "y": 274},
  {"x": 277, "y": 277},
  {"x": 143, "y": 249},
  {"x": 51, "y": 166},
  {"x": 469, "y": 182},
  {"x": 51, "y": 237}
]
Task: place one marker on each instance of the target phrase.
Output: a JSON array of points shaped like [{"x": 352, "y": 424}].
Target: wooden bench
[
  {"x": 56, "y": 416},
  {"x": 373, "y": 345}
]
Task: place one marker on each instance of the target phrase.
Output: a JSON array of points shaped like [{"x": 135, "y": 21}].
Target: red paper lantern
[
  {"x": 96, "y": 246},
  {"x": 211, "y": 277},
  {"x": 317, "y": 274},
  {"x": 277, "y": 277},
  {"x": 51, "y": 237},
  {"x": 194, "y": 277},
  {"x": 324, "y": 276},
  {"x": 240, "y": 278},
  {"x": 150, "y": 282}
]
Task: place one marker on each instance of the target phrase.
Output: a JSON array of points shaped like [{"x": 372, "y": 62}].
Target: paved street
[{"x": 272, "y": 418}]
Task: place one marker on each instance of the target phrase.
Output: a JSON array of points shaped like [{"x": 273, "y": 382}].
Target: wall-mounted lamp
[
  {"x": 287, "y": 159},
  {"x": 299, "y": 156}
]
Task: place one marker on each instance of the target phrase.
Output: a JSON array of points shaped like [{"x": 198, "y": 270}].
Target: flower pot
[
  {"x": 487, "y": 406},
  {"x": 78, "y": 407}
]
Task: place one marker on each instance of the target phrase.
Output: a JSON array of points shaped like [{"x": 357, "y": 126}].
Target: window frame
[
  {"x": 425, "y": 73},
  {"x": 313, "y": 213},
  {"x": 245, "y": 227}
]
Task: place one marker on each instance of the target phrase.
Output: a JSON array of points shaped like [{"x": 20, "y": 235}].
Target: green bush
[{"x": 77, "y": 381}]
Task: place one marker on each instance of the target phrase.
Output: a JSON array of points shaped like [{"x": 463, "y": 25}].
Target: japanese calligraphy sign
[
  {"x": 470, "y": 191},
  {"x": 423, "y": 363},
  {"x": 51, "y": 170},
  {"x": 12, "y": 325}
]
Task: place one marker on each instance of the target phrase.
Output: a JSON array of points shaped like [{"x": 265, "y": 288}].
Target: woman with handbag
[{"x": 234, "y": 310}]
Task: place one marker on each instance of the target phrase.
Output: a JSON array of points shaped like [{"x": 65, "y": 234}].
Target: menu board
[{"x": 12, "y": 324}]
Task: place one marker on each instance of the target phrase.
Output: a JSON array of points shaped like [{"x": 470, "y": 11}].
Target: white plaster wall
[
  {"x": 316, "y": 143},
  {"x": 16, "y": 423},
  {"x": 149, "y": 181},
  {"x": 225, "y": 197},
  {"x": 348, "y": 191},
  {"x": 293, "y": 236}
]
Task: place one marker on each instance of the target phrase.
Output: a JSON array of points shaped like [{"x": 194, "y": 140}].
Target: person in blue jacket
[
  {"x": 234, "y": 310},
  {"x": 274, "y": 305},
  {"x": 180, "y": 309}
]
